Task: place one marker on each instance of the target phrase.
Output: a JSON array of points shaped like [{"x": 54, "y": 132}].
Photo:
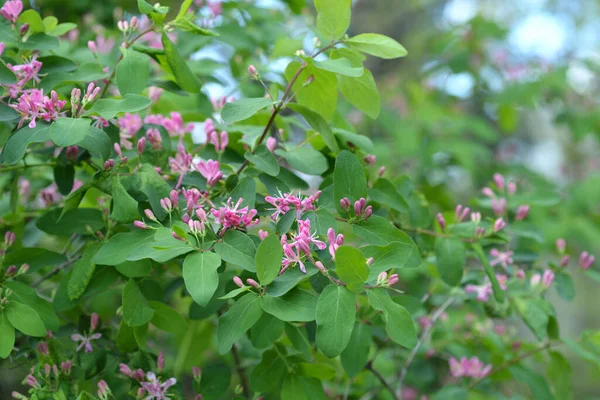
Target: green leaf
[
  {"x": 321, "y": 94},
  {"x": 163, "y": 248},
  {"x": 398, "y": 322},
  {"x": 7, "y": 335},
  {"x": 97, "y": 143},
  {"x": 64, "y": 176},
  {"x": 333, "y": 18},
  {"x": 299, "y": 339},
  {"x": 297, "y": 305},
  {"x": 140, "y": 333},
  {"x": 451, "y": 256},
  {"x": 126, "y": 338},
  {"x": 559, "y": 374},
  {"x": 24, "y": 319},
  {"x": 187, "y": 25},
  {"x": 154, "y": 187},
  {"x": 286, "y": 282},
  {"x": 336, "y": 314},
  {"x": 563, "y": 283},
  {"x": 7, "y": 77},
  {"x": 378, "y": 45},
  {"x": 348, "y": 179},
  {"x": 124, "y": 207},
  {"x": 351, "y": 267},
  {"x": 82, "y": 273},
  {"x": 7, "y": 113},
  {"x": 133, "y": 72},
  {"x": 120, "y": 246},
  {"x": 235, "y": 292},
  {"x": 237, "y": 320},
  {"x": 385, "y": 192},
  {"x": 268, "y": 259},
  {"x": 109, "y": 108},
  {"x": 183, "y": 9},
  {"x": 40, "y": 42},
  {"x": 296, "y": 387},
  {"x": 319, "y": 371},
  {"x": 266, "y": 331},
  {"x": 394, "y": 255},
  {"x": 184, "y": 77},
  {"x": 17, "y": 143},
  {"x": 355, "y": 356},
  {"x": 536, "y": 314},
  {"x": 305, "y": 159},
  {"x": 237, "y": 249},
  {"x": 269, "y": 372},
  {"x": 537, "y": 383},
  {"x": 360, "y": 141},
  {"x": 31, "y": 17},
  {"x": 76, "y": 220},
  {"x": 26, "y": 295},
  {"x": 166, "y": 318},
  {"x": 242, "y": 109},
  {"x": 136, "y": 310},
  {"x": 69, "y": 131},
  {"x": 340, "y": 66},
  {"x": 200, "y": 276},
  {"x": 135, "y": 269},
  {"x": 263, "y": 160},
  {"x": 321, "y": 220},
  {"x": 54, "y": 64},
  {"x": 62, "y": 29},
  {"x": 318, "y": 123},
  {"x": 246, "y": 190},
  {"x": 362, "y": 93}
]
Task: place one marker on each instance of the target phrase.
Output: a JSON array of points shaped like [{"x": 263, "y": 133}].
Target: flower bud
[
  {"x": 9, "y": 238},
  {"x": 176, "y": 236},
  {"x": 520, "y": 274},
  {"x": 1, "y": 48},
  {"x": 24, "y": 29},
  {"x": 345, "y": 203},
  {"x": 499, "y": 181},
  {"x": 586, "y": 260},
  {"x": 535, "y": 280},
  {"x": 253, "y": 72},
  {"x": 160, "y": 361},
  {"x": 174, "y": 196},
  {"x": 487, "y": 192},
  {"x": 135, "y": 23},
  {"x": 253, "y": 283},
  {"x": 166, "y": 204},
  {"x": 476, "y": 217},
  {"x": 109, "y": 164},
  {"x": 368, "y": 212},
  {"x": 262, "y": 234},
  {"x": 382, "y": 277},
  {"x": 564, "y": 261},
  {"x": 24, "y": 268},
  {"x": 118, "y": 150},
  {"x": 441, "y": 221},
  {"x": 141, "y": 145},
  {"x": 197, "y": 374},
  {"x": 43, "y": 349},
  {"x": 94, "y": 320},
  {"x": 370, "y": 159},
  {"x": 140, "y": 225},
  {"x": 92, "y": 46},
  {"x": 271, "y": 143},
  {"x": 10, "y": 271},
  {"x": 561, "y": 245},
  {"x": 511, "y": 187},
  {"x": 320, "y": 267},
  {"x": 522, "y": 212},
  {"x": 71, "y": 153},
  {"x": 548, "y": 278},
  {"x": 370, "y": 261},
  {"x": 125, "y": 370},
  {"x": 381, "y": 171},
  {"x": 150, "y": 215},
  {"x": 499, "y": 224},
  {"x": 238, "y": 281},
  {"x": 393, "y": 279},
  {"x": 499, "y": 206}
]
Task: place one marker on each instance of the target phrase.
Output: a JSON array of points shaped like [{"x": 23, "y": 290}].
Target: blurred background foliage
[{"x": 488, "y": 86}]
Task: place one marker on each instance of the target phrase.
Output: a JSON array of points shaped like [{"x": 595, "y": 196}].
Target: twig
[
  {"x": 25, "y": 166},
  {"x": 390, "y": 389},
  {"x": 436, "y": 315},
  {"x": 514, "y": 361},
  {"x": 241, "y": 372},
  {"x": 114, "y": 71},
  {"x": 282, "y": 103},
  {"x": 55, "y": 271}
]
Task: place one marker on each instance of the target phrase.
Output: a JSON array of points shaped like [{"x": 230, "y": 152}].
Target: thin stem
[
  {"x": 389, "y": 388},
  {"x": 113, "y": 73},
  {"x": 514, "y": 361},
  {"x": 25, "y": 166},
  {"x": 282, "y": 103},
  {"x": 436, "y": 315},
  {"x": 241, "y": 372}
]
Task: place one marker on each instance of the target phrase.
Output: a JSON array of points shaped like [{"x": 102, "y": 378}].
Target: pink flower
[
  {"x": 155, "y": 389},
  {"x": 561, "y": 245},
  {"x": 499, "y": 181},
  {"x": 483, "y": 291},
  {"x": 153, "y": 136},
  {"x": 262, "y": 234},
  {"x": 271, "y": 143},
  {"x": 499, "y": 224},
  {"x": 26, "y": 72},
  {"x": 334, "y": 241},
  {"x": 34, "y": 104},
  {"x": 129, "y": 125},
  {"x": 522, "y": 212},
  {"x": 284, "y": 202},
  {"x": 1, "y": 48},
  {"x": 175, "y": 125},
  {"x": 181, "y": 164},
  {"x": 502, "y": 258},
  {"x": 547, "y": 278},
  {"x": 472, "y": 368},
  {"x": 210, "y": 170},
  {"x": 499, "y": 206},
  {"x": 86, "y": 341},
  {"x": 231, "y": 216},
  {"x": 11, "y": 10},
  {"x": 441, "y": 221},
  {"x": 154, "y": 93},
  {"x": 461, "y": 213}
]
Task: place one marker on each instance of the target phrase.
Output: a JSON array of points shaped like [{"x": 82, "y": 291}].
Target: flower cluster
[
  {"x": 33, "y": 105},
  {"x": 468, "y": 367},
  {"x": 285, "y": 201}
]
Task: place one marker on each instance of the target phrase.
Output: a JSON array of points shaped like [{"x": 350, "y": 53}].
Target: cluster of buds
[
  {"x": 586, "y": 260},
  {"x": 361, "y": 210},
  {"x": 78, "y": 104},
  {"x": 219, "y": 103},
  {"x": 253, "y": 72},
  {"x": 13, "y": 271},
  {"x": 251, "y": 282},
  {"x": 499, "y": 202},
  {"x": 545, "y": 280},
  {"x": 465, "y": 367},
  {"x": 370, "y": 159},
  {"x": 461, "y": 213},
  {"x": 103, "y": 390},
  {"x": 128, "y": 27},
  {"x": 384, "y": 280},
  {"x": 137, "y": 374},
  {"x": 9, "y": 240}
]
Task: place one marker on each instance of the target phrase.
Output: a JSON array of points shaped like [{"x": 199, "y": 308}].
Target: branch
[
  {"x": 389, "y": 388},
  {"x": 241, "y": 372},
  {"x": 436, "y": 315}
]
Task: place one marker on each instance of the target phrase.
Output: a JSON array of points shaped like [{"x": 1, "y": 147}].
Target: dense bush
[{"x": 158, "y": 244}]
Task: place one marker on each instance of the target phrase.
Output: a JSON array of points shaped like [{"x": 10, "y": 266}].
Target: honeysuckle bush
[{"x": 160, "y": 244}]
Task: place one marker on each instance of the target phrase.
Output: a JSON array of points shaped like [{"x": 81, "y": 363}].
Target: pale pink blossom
[
  {"x": 232, "y": 216},
  {"x": 210, "y": 170},
  {"x": 502, "y": 258},
  {"x": 86, "y": 341},
  {"x": 471, "y": 368},
  {"x": 11, "y": 10}
]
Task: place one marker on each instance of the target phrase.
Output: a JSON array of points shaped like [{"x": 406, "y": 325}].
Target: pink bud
[
  {"x": 382, "y": 277},
  {"x": 370, "y": 159},
  {"x": 160, "y": 362},
  {"x": 197, "y": 373},
  {"x": 66, "y": 366},
  {"x": 1, "y": 48},
  {"x": 224, "y": 140},
  {"x": 381, "y": 171},
  {"x": 238, "y": 281},
  {"x": 262, "y": 234},
  {"x": 271, "y": 143},
  {"x": 43, "y": 348},
  {"x": 149, "y": 214},
  {"x": 535, "y": 279},
  {"x": 253, "y": 72},
  {"x": 135, "y": 23},
  {"x": 476, "y": 217},
  {"x": 125, "y": 370},
  {"x": 320, "y": 267},
  {"x": 174, "y": 196},
  {"x": 103, "y": 389},
  {"x": 345, "y": 203},
  {"x": 499, "y": 224},
  {"x": 166, "y": 204},
  {"x": 176, "y": 236},
  {"x": 94, "y": 320},
  {"x": 92, "y": 46},
  {"x": 24, "y": 268},
  {"x": 368, "y": 212},
  {"x": 24, "y": 29},
  {"x": 586, "y": 260},
  {"x": 393, "y": 279},
  {"x": 548, "y": 278},
  {"x": 499, "y": 206},
  {"x": 140, "y": 225},
  {"x": 370, "y": 261},
  {"x": 109, "y": 164},
  {"x": 141, "y": 145},
  {"x": 47, "y": 369},
  {"x": 522, "y": 212},
  {"x": 117, "y": 148},
  {"x": 72, "y": 152},
  {"x": 11, "y": 270},
  {"x": 487, "y": 192},
  {"x": 512, "y": 188},
  {"x": 441, "y": 221},
  {"x": 9, "y": 238},
  {"x": 252, "y": 283},
  {"x": 561, "y": 245},
  {"x": 499, "y": 181},
  {"x": 520, "y": 274}
]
